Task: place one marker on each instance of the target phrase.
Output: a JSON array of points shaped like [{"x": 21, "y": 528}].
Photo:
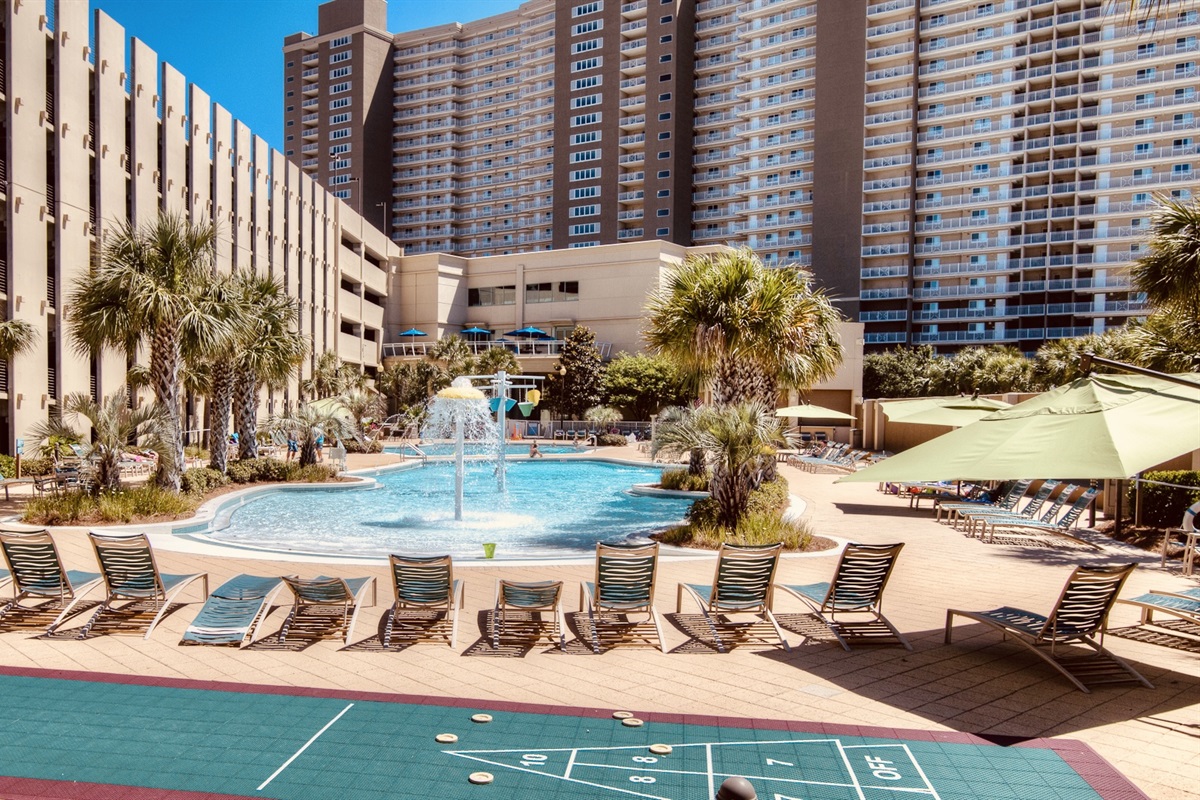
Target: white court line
[
  {"x": 296, "y": 755},
  {"x": 850, "y": 769},
  {"x": 570, "y": 763},
  {"x": 708, "y": 758},
  {"x": 933, "y": 791}
]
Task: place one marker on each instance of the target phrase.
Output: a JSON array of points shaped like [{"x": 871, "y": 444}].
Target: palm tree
[
  {"x": 331, "y": 376},
  {"x": 749, "y": 329},
  {"x": 149, "y": 290},
  {"x": 365, "y": 406},
  {"x": 1169, "y": 273},
  {"x": 1060, "y": 361},
  {"x": 16, "y": 336},
  {"x": 602, "y": 415},
  {"x": 113, "y": 425},
  {"x": 410, "y": 384},
  {"x": 737, "y": 440},
  {"x": 272, "y": 351},
  {"x": 307, "y": 423},
  {"x": 494, "y": 359},
  {"x": 453, "y": 355},
  {"x": 213, "y": 372}
]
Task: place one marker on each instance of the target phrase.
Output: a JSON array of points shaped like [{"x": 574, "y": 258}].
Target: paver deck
[{"x": 978, "y": 685}]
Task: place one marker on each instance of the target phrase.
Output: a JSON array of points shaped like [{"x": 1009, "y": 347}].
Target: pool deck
[{"x": 978, "y": 685}]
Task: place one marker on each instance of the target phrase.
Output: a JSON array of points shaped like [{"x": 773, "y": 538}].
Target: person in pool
[{"x": 534, "y": 452}]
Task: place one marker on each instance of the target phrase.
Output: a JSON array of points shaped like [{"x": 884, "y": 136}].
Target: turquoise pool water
[{"x": 551, "y": 508}]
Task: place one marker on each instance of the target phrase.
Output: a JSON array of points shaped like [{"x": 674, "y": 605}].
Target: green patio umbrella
[
  {"x": 809, "y": 411},
  {"x": 1103, "y": 426},
  {"x": 953, "y": 412}
]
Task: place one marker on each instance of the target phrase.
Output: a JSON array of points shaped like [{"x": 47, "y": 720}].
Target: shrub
[
  {"x": 769, "y": 498},
  {"x": 753, "y": 529},
  {"x": 8, "y": 466},
  {"x": 611, "y": 440},
  {"x": 681, "y": 480},
  {"x": 202, "y": 480},
  {"x": 70, "y": 508},
  {"x": 30, "y": 466},
  {"x": 369, "y": 446},
  {"x": 313, "y": 473},
  {"x": 1163, "y": 506},
  {"x": 253, "y": 470}
]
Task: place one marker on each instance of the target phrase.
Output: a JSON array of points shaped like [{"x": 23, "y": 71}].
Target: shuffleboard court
[{"x": 76, "y": 735}]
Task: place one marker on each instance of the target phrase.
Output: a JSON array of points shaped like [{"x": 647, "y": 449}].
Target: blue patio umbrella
[
  {"x": 528, "y": 332},
  {"x": 475, "y": 331},
  {"x": 413, "y": 332}
]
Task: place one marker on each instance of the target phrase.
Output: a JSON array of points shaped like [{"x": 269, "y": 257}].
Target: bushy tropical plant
[
  {"x": 738, "y": 442},
  {"x": 308, "y": 422},
  {"x": 579, "y": 387},
  {"x": 16, "y": 336},
  {"x": 331, "y": 377},
  {"x": 113, "y": 425}
]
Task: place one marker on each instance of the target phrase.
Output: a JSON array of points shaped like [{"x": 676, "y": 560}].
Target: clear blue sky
[{"x": 232, "y": 49}]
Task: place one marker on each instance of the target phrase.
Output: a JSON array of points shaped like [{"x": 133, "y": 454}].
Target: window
[
  {"x": 587, "y": 27},
  {"x": 663, "y": 212},
  {"x": 1182, "y": 169},
  {"x": 586, "y": 83},
  {"x": 584, "y": 211},
  {"x": 664, "y": 135},
  {"x": 666, "y": 76},
  {"x": 340, "y": 133},
  {"x": 339, "y": 179},
  {"x": 664, "y": 173},
  {"x": 338, "y": 149},
  {"x": 585, "y": 138},
  {"x": 585, "y": 100},
  {"x": 584, "y": 155},
  {"x": 663, "y": 59},
  {"x": 562, "y": 291},
  {"x": 1146, "y": 49},
  {"x": 340, "y": 72},
  {"x": 341, "y": 41},
  {"x": 586, "y": 45},
  {"x": 587, "y": 63},
  {"x": 340, "y": 164},
  {"x": 585, "y": 174},
  {"x": 340, "y": 87},
  {"x": 492, "y": 296},
  {"x": 662, "y": 232},
  {"x": 664, "y": 153},
  {"x": 337, "y": 58},
  {"x": 665, "y": 39},
  {"x": 585, "y": 228},
  {"x": 585, "y": 192},
  {"x": 587, "y": 8},
  {"x": 666, "y": 19},
  {"x": 665, "y": 96},
  {"x": 338, "y": 119},
  {"x": 1144, "y": 99},
  {"x": 341, "y": 102},
  {"x": 585, "y": 119},
  {"x": 664, "y": 193},
  {"x": 664, "y": 116}
]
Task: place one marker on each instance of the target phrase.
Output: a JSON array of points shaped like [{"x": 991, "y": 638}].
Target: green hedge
[
  {"x": 1163, "y": 506},
  {"x": 611, "y": 440},
  {"x": 681, "y": 480},
  {"x": 30, "y": 466},
  {"x": 202, "y": 480},
  {"x": 770, "y": 498}
]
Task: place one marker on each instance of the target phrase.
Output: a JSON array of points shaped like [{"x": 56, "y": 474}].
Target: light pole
[{"x": 385, "y": 230}]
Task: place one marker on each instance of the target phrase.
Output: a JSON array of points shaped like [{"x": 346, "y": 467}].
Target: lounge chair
[
  {"x": 1186, "y": 529},
  {"x": 624, "y": 585},
  {"x": 968, "y": 516},
  {"x": 857, "y": 588},
  {"x": 1006, "y": 503},
  {"x": 1184, "y": 604},
  {"x": 1061, "y": 527},
  {"x": 981, "y": 522},
  {"x": 322, "y": 592},
  {"x": 528, "y": 598},
  {"x": 130, "y": 573},
  {"x": 743, "y": 584},
  {"x": 37, "y": 573},
  {"x": 8, "y": 483},
  {"x": 1079, "y": 617},
  {"x": 233, "y": 611},
  {"x": 424, "y": 584}
]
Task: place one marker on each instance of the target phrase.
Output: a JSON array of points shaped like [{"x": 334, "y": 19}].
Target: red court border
[{"x": 1099, "y": 774}]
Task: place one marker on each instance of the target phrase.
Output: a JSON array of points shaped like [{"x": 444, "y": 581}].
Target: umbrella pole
[{"x": 1117, "y": 522}]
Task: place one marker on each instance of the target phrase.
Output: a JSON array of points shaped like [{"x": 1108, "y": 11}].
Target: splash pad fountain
[{"x": 460, "y": 412}]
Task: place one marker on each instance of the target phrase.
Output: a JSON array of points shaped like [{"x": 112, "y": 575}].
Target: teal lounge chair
[
  {"x": 744, "y": 584},
  {"x": 1184, "y": 605},
  {"x": 968, "y": 516},
  {"x": 981, "y": 522},
  {"x": 424, "y": 584},
  {"x": 1079, "y": 617},
  {"x": 530, "y": 598},
  {"x": 37, "y": 573},
  {"x": 624, "y": 585},
  {"x": 321, "y": 592},
  {"x": 233, "y": 611},
  {"x": 856, "y": 589},
  {"x": 1006, "y": 503},
  {"x": 1061, "y": 527},
  {"x": 130, "y": 574}
]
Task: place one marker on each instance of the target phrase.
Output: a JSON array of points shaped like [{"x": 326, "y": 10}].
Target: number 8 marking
[
  {"x": 645, "y": 759},
  {"x": 641, "y": 778}
]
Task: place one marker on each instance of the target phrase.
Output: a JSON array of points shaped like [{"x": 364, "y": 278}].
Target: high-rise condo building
[{"x": 955, "y": 172}]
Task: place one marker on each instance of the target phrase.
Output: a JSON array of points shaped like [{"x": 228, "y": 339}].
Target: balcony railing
[{"x": 542, "y": 348}]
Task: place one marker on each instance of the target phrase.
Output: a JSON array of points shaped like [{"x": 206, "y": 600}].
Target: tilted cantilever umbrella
[
  {"x": 953, "y": 412},
  {"x": 1102, "y": 426}
]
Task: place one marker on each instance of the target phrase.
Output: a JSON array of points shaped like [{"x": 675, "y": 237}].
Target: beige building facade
[
  {"x": 94, "y": 130},
  {"x": 604, "y": 288}
]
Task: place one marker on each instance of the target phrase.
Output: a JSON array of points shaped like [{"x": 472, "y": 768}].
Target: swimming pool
[
  {"x": 512, "y": 449},
  {"x": 551, "y": 508}
]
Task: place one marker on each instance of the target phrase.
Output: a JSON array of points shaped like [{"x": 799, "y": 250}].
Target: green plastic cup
[{"x": 489, "y": 549}]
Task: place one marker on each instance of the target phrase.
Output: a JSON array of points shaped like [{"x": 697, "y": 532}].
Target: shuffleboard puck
[
  {"x": 480, "y": 778},
  {"x": 622, "y": 714},
  {"x": 632, "y": 722},
  {"x": 661, "y": 749},
  {"x": 446, "y": 738},
  {"x": 481, "y": 718}
]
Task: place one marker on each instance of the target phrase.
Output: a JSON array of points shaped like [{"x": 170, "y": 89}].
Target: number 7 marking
[{"x": 772, "y": 762}]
